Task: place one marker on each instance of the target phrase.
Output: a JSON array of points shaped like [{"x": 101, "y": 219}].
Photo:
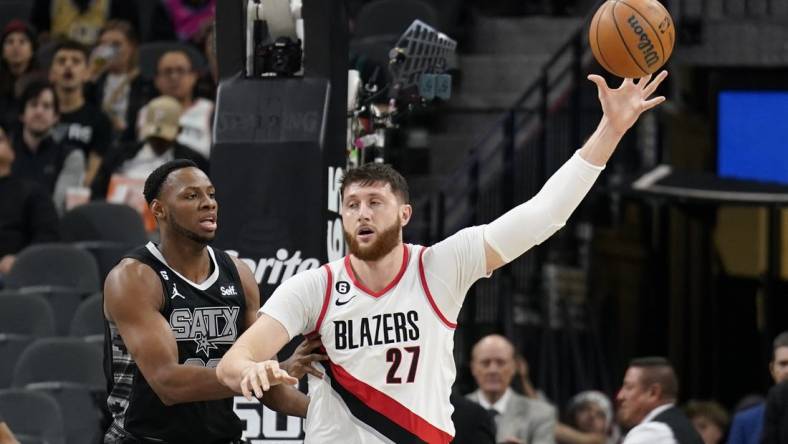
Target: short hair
[
  {"x": 370, "y": 173},
  {"x": 34, "y": 89},
  {"x": 157, "y": 178},
  {"x": 780, "y": 341},
  {"x": 174, "y": 51},
  {"x": 123, "y": 27},
  {"x": 708, "y": 409},
  {"x": 658, "y": 370},
  {"x": 71, "y": 45}
]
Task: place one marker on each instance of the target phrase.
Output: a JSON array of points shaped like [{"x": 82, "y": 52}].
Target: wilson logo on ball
[{"x": 645, "y": 45}]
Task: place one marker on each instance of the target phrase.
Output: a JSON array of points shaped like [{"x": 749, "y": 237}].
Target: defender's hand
[
  {"x": 622, "y": 106},
  {"x": 300, "y": 363},
  {"x": 261, "y": 376}
]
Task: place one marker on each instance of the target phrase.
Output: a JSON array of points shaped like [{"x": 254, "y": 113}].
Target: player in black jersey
[{"x": 172, "y": 311}]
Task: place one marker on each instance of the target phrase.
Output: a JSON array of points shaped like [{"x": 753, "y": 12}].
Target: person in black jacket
[
  {"x": 647, "y": 404},
  {"x": 137, "y": 160},
  {"x": 27, "y": 214}
]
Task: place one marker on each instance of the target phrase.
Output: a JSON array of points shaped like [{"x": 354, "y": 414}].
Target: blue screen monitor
[{"x": 752, "y": 135}]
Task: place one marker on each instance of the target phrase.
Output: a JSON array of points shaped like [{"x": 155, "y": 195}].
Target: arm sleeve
[
  {"x": 532, "y": 222},
  {"x": 650, "y": 433},
  {"x": 297, "y": 302},
  {"x": 71, "y": 175},
  {"x": 544, "y": 432},
  {"x": 452, "y": 266}
]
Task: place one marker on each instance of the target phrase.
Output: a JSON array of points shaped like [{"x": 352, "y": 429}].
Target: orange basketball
[{"x": 631, "y": 38}]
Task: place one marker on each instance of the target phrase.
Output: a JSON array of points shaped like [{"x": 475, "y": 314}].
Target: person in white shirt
[
  {"x": 518, "y": 419},
  {"x": 386, "y": 313},
  {"x": 647, "y": 405}
]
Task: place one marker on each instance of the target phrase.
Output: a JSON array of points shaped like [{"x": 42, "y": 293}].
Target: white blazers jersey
[{"x": 390, "y": 367}]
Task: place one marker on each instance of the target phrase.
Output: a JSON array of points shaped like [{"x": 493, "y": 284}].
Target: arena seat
[
  {"x": 149, "y": 54},
  {"x": 105, "y": 230},
  {"x": 81, "y": 415},
  {"x": 60, "y": 360},
  {"x": 103, "y": 221},
  {"x": 32, "y": 416},
  {"x": 54, "y": 265},
  {"x": 11, "y": 348},
  {"x": 88, "y": 320},
  {"x": 26, "y": 314},
  {"x": 62, "y": 273}
]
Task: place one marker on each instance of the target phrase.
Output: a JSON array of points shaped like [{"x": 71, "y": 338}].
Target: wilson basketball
[{"x": 631, "y": 38}]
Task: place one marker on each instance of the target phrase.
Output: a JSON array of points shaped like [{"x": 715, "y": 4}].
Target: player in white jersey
[{"x": 386, "y": 313}]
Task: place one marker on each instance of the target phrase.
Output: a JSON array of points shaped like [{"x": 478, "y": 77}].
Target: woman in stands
[{"x": 18, "y": 47}]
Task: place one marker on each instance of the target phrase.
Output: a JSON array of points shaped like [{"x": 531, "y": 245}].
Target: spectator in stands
[
  {"x": 190, "y": 17},
  {"x": 176, "y": 77},
  {"x": 6, "y": 436},
  {"x": 747, "y": 425},
  {"x": 18, "y": 43},
  {"x": 517, "y": 418},
  {"x": 646, "y": 404},
  {"x": 119, "y": 89},
  {"x": 82, "y": 125},
  {"x": 136, "y": 160},
  {"x": 27, "y": 214},
  {"x": 38, "y": 157},
  {"x": 80, "y": 20},
  {"x": 589, "y": 420},
  {"x": 710, "y": 420}
]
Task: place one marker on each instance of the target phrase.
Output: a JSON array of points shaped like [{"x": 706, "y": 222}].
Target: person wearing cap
[
  {"x": 18, "y": 41},
  {"x": 138, "y": 159},
  {"x": 589, "y": 420},
  {"x": 176, "y": 76}
]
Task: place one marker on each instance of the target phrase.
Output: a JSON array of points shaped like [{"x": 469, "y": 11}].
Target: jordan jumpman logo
[{"x": 175, "y": 292}]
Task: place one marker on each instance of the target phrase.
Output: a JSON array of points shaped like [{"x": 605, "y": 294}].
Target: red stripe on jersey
[
  {"x": 429, "y": 295},
  {"x": 391, "y": 285},
  {"x": 326, "y": 300},
  {"x": 389, "y": 407}
]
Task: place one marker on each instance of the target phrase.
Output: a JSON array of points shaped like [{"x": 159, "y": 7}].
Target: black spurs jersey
[{"x": 205, "y": 319}]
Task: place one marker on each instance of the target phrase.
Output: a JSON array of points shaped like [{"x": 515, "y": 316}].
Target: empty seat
[
  {"x": 103, "y": 221},
  {"x": 26, "y": 314},
  {"x": 149, "y": 54},
  {"x": 62, "y": 273},
  {"x": 89, "y": 318},
  {"x": 62, "y": 360},
  {"x": 54, "y": 265},
  {"x": 33, "y": 416},
  {"x": 11, "y": 348},
  {"x": 81, "y": 415}
]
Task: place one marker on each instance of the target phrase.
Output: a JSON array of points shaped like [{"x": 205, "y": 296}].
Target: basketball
[{"x": 631, "y": 38}]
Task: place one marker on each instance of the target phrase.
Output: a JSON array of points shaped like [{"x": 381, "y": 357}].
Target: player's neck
[
  {"x": 376, "y": 275},
  {"x": 187, "y": 257}
]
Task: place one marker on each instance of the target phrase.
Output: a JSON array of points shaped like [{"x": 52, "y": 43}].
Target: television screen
[{"x": 752, "y": 135}]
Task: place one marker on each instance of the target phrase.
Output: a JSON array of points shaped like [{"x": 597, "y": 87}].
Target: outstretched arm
[
  {"x": 534, "y": 221},
  {"x": 281, "y": 398}
]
